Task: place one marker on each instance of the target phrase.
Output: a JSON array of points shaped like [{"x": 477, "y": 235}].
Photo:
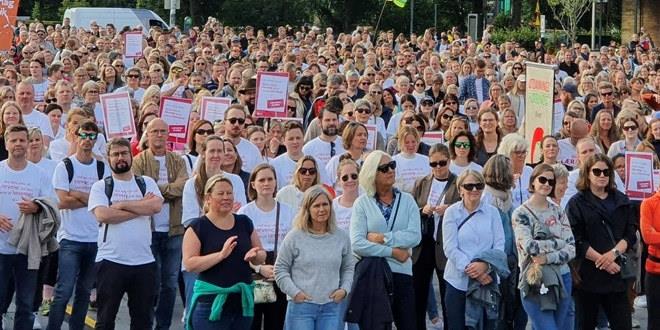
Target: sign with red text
[
  {"x": 213, "y": 108},
  {"x": 539, "y": 107},
  {"x": 433, "y": 137},
  {"x": 176, "y": 113},
  {"x": 639, "y": 175},
  {"x": 8, "y": 10},
  {"x": 272, "y": 96},
  {"x": 118, "y": 115},
  {"x": 132, "y": 44},
  {"x": 372, "y": 130}
]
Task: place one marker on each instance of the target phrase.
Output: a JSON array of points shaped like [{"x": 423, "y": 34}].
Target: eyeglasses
[
  {"x": 544, "y": 180},
  {"x": 462, "y": 145},
  {"x": 353, "y": 176},
  {"x": 440, "y": 163},
  {"x": 363, "y": 111},
  {"x": 629, "y": 128},
  {"x": 387, "y": 167},
  {"x": 87, "y": 136},
  {"x": 200, "y": 131},
  {"x": 233, "y": 121},
  {"x": 473, "y": 186},
  {"x": 600, "y": 172},
  {"x": 307, "y": 171}
]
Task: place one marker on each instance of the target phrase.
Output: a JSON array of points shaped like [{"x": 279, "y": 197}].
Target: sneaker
[
  {"x": 44, "y": 309},
  {"x": 93, "y": 305},
  {"x": 6, "y": 321},
  {"x": 635, "y": 324},
  {"x": 640, "y": 302},
  {"x": 36, "y": 324}
]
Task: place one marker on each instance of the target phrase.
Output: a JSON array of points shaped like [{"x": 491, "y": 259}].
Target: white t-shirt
[
  {"x": 190, "y": 205},
  {"x": 478, "y": 84},
  {"x": 39, "y": 120},
  {"x": 567, "y": 153},
  {"x": 284, "y": 168},
  {"x": 30, "y": 182},
  {"x": 321, "y": 150},
  {"x": 291, "y": 196},
  {"x": 342, "y": 215},
  {"x": 79, "y": 224},
  {"x": 264, "y": 223},
  {"x": 409, "y": 169},
  {"x": 40, "y": 90},
  {"x": 331, "y": 170},
  {"x": 127, "y": 243},
  {"x": 47, "y": 165},
  {"x": 191, "y": 163},
  {"x": 249, "y": 154},
  {"x": 457, "y": 170},
  {"x": 393, "y": 125},
  {"x": 59, "y": 149},
  {"x": 520, "y": 191},
  {"x": 137, "y": 94},
  {"x": 162, "y": 218},
  {"x": 167, "y": 86}
]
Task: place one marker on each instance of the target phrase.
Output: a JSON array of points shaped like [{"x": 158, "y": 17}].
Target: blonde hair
[
  {"x": 303, "y": 220},
  {"x": 296, "y": 175},
  {"x": 369, "y": 170}
]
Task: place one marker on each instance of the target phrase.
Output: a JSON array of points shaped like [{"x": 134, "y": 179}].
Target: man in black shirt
[{"x": 569, "y": 66}]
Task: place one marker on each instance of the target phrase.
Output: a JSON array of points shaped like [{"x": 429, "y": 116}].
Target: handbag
[
  {"x": 264, "y": 291},
  {"x": 626, "y": 264}
]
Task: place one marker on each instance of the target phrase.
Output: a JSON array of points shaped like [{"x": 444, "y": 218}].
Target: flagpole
[{"x": 379, "y": 18}]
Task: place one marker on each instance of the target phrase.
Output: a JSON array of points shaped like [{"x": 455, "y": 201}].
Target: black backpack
[
  {"x": 100, "y": 168},
  {"x": 109, "y": 188}
]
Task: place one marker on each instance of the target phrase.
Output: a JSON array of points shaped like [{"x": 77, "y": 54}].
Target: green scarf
[{"x": 204, "y": 288}]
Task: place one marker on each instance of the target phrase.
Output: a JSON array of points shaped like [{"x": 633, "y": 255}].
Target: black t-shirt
[
  {"x": 570, "y": 69},
  {"x": 233, "y": 269}
]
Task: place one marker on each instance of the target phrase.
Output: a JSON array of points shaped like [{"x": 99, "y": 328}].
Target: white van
[{"x": 119, "y": 17}]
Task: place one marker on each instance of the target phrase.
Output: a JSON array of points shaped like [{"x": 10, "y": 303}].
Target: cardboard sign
[
  {"x": 213, "y": 108},
  {"x": 639, "y": 175},
  {"x": 272, "y": 94},
  {"x": 539, "y": 107},
  {"x": 132, "y": 44},
  {"x": 176, "y": 113},
  {"x": 8, "y": 10},
  {"x": 433, "y": 137},
  {"x": 118, "y": 115}
]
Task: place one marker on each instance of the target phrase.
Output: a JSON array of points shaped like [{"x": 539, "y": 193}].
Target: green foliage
[
  {"x": 502, "y": 21},
  {"x": 524, "y": 35},
  {"x": 36, "y": 11},
  {"x": 66, "y": 4}
]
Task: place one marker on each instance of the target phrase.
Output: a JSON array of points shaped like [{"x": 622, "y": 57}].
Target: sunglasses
[
  {"x": 353, "y": 176},
  {"x": 135, "y": 76},
  {"x": 600, "y": 172},
  {"x": 387, "y": 167},
  {"x": 419, "y": 85},
  {"x": 451, "y": 103},
  {"x": 175, "y": 70},
  {"x": 447, "y": 117},
  {"x": 349, "y": 114},
  {"x": 204, "y": 131},
  {"x": 52, "y": 100},
  {"x": 629, "y": 128},
  {"x": 440, "y": 163},
  {"x": 87, "y": 136},
  {"x": 427, "y": 103},
  {"x": 305, "y": 88},
  {"x": 463, "y": 145},
  {"x": 307, "y": 171},
  {"x": 606, "y": 94},
  {"x": 375, "y": 92},
  {"x": 473, "y": 186},
  {"x": 544, "y": 180},
  {"x": 363, "y": 111},
  {"x": 233, "y": 121}
]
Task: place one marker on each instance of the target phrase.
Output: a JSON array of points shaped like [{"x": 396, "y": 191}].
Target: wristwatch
[{"x": 616, "y": 252}]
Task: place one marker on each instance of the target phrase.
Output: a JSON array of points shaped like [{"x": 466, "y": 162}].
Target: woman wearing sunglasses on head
[
  {"x": 603, "y": 223},
  {"x": 545, "y": 245},
  {"x": 385, "y": 223},
  {"x": 433, "y": 193},
  {"x": 473, "y": 241}
]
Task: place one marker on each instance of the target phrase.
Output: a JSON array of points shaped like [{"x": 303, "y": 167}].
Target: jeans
[
  {"x": 230, "y": 319},
  {"x": 552, "y": 320},
  {"x": 76, "y": 269},
  {"x": 25, "y": 283},
  {"x": 167, "y": 252},
  {"x": 309, "y": 316},
  {"x": 189, "y": 279},
  {"x": 112, "y": 281},
  {"x": 455, "y": 300}
]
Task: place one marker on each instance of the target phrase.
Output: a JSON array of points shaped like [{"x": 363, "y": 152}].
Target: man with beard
[
  {"x": 328, "y": 143},
  {"x": 73, "y": 179},
  {"x": 234, "y": 122},
  {"x": 247, "y": 93},
  {"x": 168, "y": 169},
  {"x": 20, "y": 182},
  {"x": 124, "y": 204}
]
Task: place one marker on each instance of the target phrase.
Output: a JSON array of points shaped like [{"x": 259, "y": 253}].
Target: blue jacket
[
  {"x": 468, "y": 89},
  {"x": 480, "y": 298}
]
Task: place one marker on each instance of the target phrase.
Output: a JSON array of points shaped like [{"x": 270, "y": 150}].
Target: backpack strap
[
  {"x": 141, "y": 184},
  {"x": 100, "y": 169},
  {"x": 109, "y": 187},
  {"x": 69, "y": 168}
]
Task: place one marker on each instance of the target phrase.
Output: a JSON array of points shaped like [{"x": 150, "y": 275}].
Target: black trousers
[
  {"x": 616, "y": 306},
  {"x": 422, "y": 277},
  {"x": 271, "y": 315},
  {"x": 112, "y": 281},
  {"x": 403, "y": 307},
  {"x": 653, "y": 300}
]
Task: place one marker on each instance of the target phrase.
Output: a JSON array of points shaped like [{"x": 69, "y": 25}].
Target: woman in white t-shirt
[
  {"x": 409, "y": 164},
  {"x": 272, "y": 221},
  {"x": 257, "y": 136},
  {"x": 306, "y": 175},
  {"x": 462, "y": 151},
  {"x": 176, "y": 82},
  {"x": 347, "y": 180}
]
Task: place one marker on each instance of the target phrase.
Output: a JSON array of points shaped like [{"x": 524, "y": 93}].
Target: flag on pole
[{"x": 400, "y": 3}]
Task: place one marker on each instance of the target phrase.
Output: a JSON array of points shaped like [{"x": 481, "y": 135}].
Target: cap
[
  {"x": 521, "y": 78},
  {"x": 235, "y": 39}
]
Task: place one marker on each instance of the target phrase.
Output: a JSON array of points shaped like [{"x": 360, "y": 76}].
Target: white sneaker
[
  {"x": 183, "y": 317},
  {"x": 635, "y": 324},
  {"x": 640, "y": 302},
  {"x": 36, "y": 324},
  {"x": 5, "y": 321}
]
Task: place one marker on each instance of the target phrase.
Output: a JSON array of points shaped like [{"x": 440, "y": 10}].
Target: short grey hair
[
  {"x": 560, "y": 171},
  {"x": 512, "y": 142},
  {"x": 369, "y": 170},
  {"x": 335, "y": 79},
  {"x": 363, "y": 102}
]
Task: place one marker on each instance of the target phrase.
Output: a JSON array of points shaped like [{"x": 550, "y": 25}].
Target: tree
[
  {"x": 36, "y": 11},
  {"x": 569, "y": 13}
]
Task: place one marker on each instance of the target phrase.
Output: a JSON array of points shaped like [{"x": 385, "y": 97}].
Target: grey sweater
[{"x": 314, "y": 264}]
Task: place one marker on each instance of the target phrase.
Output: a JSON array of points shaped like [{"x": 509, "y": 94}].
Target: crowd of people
[{"x": 339, "y": 216}]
